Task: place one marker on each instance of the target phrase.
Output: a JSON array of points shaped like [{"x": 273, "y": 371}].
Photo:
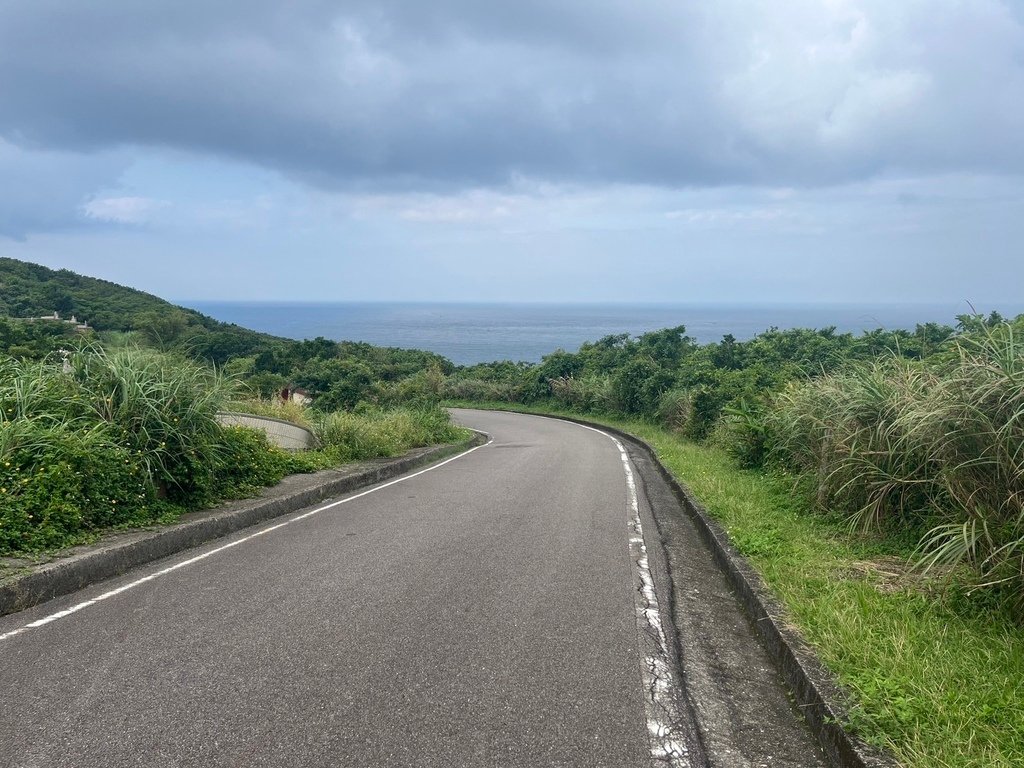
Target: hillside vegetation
[
  {"x": 117, "y": 426},
  {"x": 339, "y": 374}
]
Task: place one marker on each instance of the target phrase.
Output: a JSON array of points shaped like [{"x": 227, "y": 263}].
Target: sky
[{"x": 754, "y": 151}]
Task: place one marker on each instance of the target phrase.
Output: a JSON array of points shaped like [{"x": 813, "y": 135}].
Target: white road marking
[
  {"x": 664, "y": 719},
  {"x": 662, "y": 711},
  {"x": 191, "y": 561}
]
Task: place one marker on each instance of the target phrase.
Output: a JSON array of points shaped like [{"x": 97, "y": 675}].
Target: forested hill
[
  {"x": 340, "y": 374},
  {"x": 32, "y": 290}
]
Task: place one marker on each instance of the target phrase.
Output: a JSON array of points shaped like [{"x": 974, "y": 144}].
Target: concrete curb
[
  {"x": 817, "y": 695},
  {"x": 120, "y": 552}
]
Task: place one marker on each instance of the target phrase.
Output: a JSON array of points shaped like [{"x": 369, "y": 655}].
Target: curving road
[{"x": 489, "y": 611}]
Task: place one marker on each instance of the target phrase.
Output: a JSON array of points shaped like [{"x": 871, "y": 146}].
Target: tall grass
[
  {"x": 100, "y": 441},
  {"x": 978, "y": 434},
  {"x": 163, "y": 407},
  {"x": 371, "y": 433},
  {"x": 275, "y": 408},
  {"x": 481, "y": 390},
  {"x": 584, "y": 394},
  {"x": 935, "y": 449}
]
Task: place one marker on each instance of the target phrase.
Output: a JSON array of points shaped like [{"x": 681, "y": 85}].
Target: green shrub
[
  {"x": 638, "y": 386},
  {"x": 244, "y": 461},
  {"x": 743, "y": 434},
  {"x": 57, "y": 484}
]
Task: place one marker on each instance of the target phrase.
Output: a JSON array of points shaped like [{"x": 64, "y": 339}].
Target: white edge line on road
[
  {"x": 192, "y": 560},
  {"x": 664, "y": 722}
]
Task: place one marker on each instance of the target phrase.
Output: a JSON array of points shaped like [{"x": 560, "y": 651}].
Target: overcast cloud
[{"x": 454, "y": 132}]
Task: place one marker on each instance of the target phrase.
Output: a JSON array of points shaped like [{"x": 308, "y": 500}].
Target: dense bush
[
  {"x": 245, "y": 461},
  {"x": 57, "y": 483}
]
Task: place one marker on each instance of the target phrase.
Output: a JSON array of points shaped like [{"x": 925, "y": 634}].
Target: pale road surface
[{"x": 486, "y": 612}]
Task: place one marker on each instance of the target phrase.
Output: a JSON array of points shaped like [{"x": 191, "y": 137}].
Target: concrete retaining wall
[{"x": 283, "y": 434}]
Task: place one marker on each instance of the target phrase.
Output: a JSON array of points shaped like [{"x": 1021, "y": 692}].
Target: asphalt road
[{"x": 481, "y": 613}]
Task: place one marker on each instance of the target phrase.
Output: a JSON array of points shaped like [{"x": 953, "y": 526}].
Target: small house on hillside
[{"x": 296, "y": 395}]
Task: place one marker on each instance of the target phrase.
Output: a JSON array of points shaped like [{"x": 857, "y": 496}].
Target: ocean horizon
[{"x": 469, "y": 333}]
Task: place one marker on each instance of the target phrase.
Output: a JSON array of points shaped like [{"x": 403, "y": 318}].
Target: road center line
[{"x": 191, "y": 561}]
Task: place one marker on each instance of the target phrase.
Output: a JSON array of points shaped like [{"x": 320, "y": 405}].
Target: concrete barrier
[{"x": 283, "y": 434}]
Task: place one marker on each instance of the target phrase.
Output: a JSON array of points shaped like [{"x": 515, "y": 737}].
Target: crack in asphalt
[
  {"x": 671, "y": 726},
  {"x": 670, "y": 730}
]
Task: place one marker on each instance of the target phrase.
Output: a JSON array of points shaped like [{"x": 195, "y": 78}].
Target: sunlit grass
[
  {"x": 371, "y": 433},
  {"x": 275, "y": 408}
]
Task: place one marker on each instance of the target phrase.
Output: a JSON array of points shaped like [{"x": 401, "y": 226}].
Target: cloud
[
  {"x": 727, "y": 217},
  {"x": 44, "y": 189},
  {"x": 458, "y": 94},
  {"x": 123, "y": 210}
]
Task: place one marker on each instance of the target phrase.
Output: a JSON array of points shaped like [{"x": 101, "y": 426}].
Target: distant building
[
  {"x": 296, "y": 395},
  {"x": 80, "y": 326}
]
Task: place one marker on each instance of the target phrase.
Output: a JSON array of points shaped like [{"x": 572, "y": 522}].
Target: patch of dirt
[{"x": 890, "y": 574}]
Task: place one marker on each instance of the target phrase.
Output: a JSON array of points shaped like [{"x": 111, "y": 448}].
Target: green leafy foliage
[
  {"x": 121, "y": 437},
  {"x": 57, "y": 483}
]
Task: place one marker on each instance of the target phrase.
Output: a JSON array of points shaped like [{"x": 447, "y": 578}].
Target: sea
[{"x": 475, "y": 333}]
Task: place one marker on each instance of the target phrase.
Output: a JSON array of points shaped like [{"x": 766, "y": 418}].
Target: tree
[{"x": 162, "y": 329}]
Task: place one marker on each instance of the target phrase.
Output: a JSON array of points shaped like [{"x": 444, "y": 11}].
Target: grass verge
[{"x": 934, "y": 677}]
